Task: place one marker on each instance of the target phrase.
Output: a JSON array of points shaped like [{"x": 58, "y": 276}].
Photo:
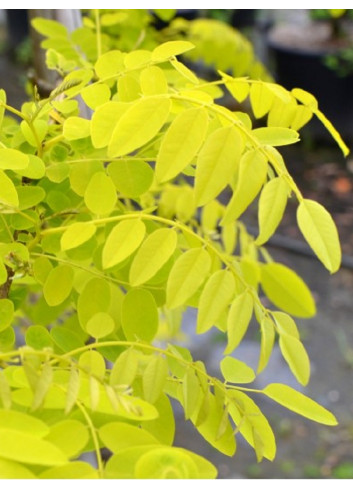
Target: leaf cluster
[{"x": 111, "y": 228}]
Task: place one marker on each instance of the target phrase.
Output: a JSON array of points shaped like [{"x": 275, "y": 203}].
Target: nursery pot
[{"x": 305, "y": 68}]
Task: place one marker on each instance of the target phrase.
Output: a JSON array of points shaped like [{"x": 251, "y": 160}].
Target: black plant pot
[
  {"x": 242, "y": 18},
  {"x": 296, "y": 68}
]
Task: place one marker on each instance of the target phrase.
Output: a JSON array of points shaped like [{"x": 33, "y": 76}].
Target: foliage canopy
[{"x": 112, "y": 226}]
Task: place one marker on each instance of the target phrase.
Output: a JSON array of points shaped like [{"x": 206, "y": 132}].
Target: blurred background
[{"x": 312, "y": 50}]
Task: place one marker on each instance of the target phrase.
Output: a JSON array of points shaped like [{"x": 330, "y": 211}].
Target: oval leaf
[
  {"x": 171, "y": 48},
  {"x": 299, "y": 403},
  {"x": 26, "y": 448},
  {"x": 287, "y": 290},
  {"x": 320, "y": 231},
  {"x": 122, "y": 241},
  {"x": 100, "y": 195},
  {"x": 187, "y": 275},
  {"x": 58, "y": 285},
  {"x": 152, "y": 255},
  {"x": 238, "y": 320},
  {"x": 233, "y": 370},
  {"x": 181, "y": 143},
  {"x": 118, "y": 436},
  {"x": 296, "y": 356},
  {"x": 138, "y": 125},
  {"x": 154, "y": 378},
  {"x": 217, "y": 162},
  {"x": 139, "y": 315},
  {"x": 276, "y": 136},
  {"x": 8, "y": 194},
  {"x": 272, "y": 203},
  {"x": 77, "y": 234},
  {"x": 215, "y": 297},
  {"x": 252, "y": 174}
]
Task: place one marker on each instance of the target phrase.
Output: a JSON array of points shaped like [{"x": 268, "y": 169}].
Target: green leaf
[
  {"x": 187, "y": 275},
  {"x": 305, "y": 98},
  {"x": 209, "y": 429},
  {"x": 139, "y": 315},
  {"x": 215, "y": 297},
  {"x": 132, "y": 178},
  {"x": 163, "y": 426},
  {"x": 267, "y": 341},
  {"x": 41, "y": 269},
  {"x": 129, "y": 89},
  {"x": 65, "y": 339},
  {"x": 154, "y": 378},
  {"x": 122, "y": 241},
  {"x": 49, "y": 28},
  {"x": 8, "y": 194},
  {"x": 12, "y": 159},
  {"x": 132, "y": 132},
  {"x": 73, "y": 470},
  {"x": 320, "y": 232},
  {"x": 72, "y": 390},
  {"x": 42, "y": 386},
  {"x": 238, "y": 320},
  {"x": 118, "y": 436},
  {"x": 252, "y": 175},
  {"x": 217, "y": 163},
  {"x": 122, "y": 464},
  {"x": 181, "y": 143},
  {"x": 96, "y": 95},
  {"x": 58, "y": 285},
  {"x": 77, "y": 234},
  {"x": 137, "y": 58},
  {"x": 29, "y": 449},
  {"x": 285, "y": 324},
  {"x": 100, "y": 325},
  {"x": 104, "y": 120},
  {"x": 154, "y": 252},
  {"x": 92, "y": 363},
  {"x": 70, "y": 436},
  {"x": 153, "y": 81},
  {"x": 95, "y": 297},
  {"x": 261, "y": 99},
  {"x": 29, "y": 196},
  {"x": 39, "y": 126},
  {"x": 7, "y": 310},
  {"x": 299, "y": 403},
  {"x": 94, "y": 393},
  {"x": 286, "y": 290},
  {"x": 13, "y": 470},
  {"x": 109, "y": 64},
  {"x": 3, "y": 273},
  {"x": 296, "y": 356},
  {"x": 233, "y": 370},
  {"x": 171, "y": 48},
  {"x": 5, "y": 391},
  {"x": 184, "y": 71},
  {"x": 272, "y": 204},
  {"x": 275, "y": 136},
  {"x": 165, "y": 14},
  {"x": 166, "y": 463},
  {"x": 76, "y": 128},
  {"x": 100, "y": 195},
  {"x": 191, "y": 392},
  {"x": 247, "y": 417},
  {"x": 125, "y": 368},
  {"x": 239, "y": 88},
  {"x": 22, "y": 422}
]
